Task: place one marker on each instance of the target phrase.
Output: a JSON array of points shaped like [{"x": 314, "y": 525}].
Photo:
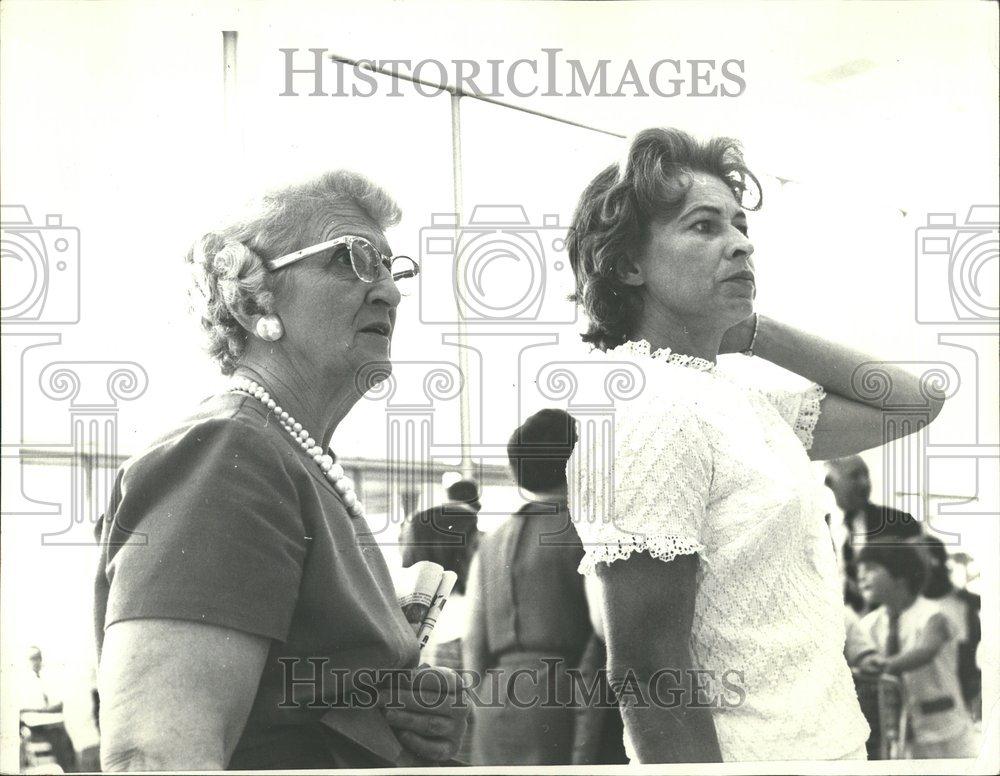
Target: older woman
[
  {"x": 244, "y": 613},
  {"x": 715, "y": 564}
]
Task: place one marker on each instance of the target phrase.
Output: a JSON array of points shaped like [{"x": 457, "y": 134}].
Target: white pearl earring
[{"x": 269, "y": 328}]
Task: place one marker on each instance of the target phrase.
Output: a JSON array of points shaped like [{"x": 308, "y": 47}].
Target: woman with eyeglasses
[{"x": 245, "y": 616}]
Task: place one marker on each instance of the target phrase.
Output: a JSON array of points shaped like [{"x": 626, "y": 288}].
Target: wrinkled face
[
  {"x": 697, "y": 266},
  {"x": 332, "y": 319},
  {"x": 874, "y": 583},
  {"x": 851, "y": 485}
]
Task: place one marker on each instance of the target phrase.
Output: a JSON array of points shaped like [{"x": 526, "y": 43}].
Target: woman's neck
[
  {"x": 316, "y": 401},
  {"x": 556, "y": 494},
  {"x": 663, "y": 329}
]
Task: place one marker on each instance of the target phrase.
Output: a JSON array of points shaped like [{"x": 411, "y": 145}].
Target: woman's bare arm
[
  {"x": 850, "y": 421},
  {"x": 175, "y": 695},
  {"x": 648, "y": 611}
]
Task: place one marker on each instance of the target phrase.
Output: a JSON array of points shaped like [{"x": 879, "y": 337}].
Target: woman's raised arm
[
  {"x": 175, "y": 694},
  {"x": 849, "y": 421}
]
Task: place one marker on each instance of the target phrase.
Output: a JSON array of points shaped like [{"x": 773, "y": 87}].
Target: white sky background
[{"x": 112, "y": 117}]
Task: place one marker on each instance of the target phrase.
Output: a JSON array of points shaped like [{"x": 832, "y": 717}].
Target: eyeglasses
[{"x": 366, "y": 259}]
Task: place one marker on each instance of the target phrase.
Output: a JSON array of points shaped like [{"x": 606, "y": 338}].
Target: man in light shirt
[{"x": 42, "y": 711}]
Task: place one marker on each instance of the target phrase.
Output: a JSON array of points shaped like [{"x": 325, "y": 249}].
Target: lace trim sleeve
[
  {"x": 665, "y": 548},
  {"x": 799, "y": 409},
  {"x": 641, "y": 486},
  {"x": 808, "y": 415}
]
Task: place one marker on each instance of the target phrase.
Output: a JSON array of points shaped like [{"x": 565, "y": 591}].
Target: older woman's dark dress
[
  {"x": 226, "y": 521},
  {"x": 529, "y": 611}
]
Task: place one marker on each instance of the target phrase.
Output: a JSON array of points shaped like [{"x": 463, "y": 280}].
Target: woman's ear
[
  {"x": 244, "y": 320},
  {"x": 251, "y": 322},
  {"x": 631, "y": 274}
]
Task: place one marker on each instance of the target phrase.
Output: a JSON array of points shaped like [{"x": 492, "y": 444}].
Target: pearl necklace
[{"x": 332, "y": 470}]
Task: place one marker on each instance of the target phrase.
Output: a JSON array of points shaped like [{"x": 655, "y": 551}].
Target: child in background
[
  {"x": 916, "y": 643},
  {"x": 862, "y": 656},
  {"x": 859, "y": 649},
  {"x": 962, "y": 608}
]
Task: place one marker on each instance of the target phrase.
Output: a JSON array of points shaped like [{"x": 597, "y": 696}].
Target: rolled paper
[
  {"x": 415, "y": 590},
  {"x": 447, "y": 584}
]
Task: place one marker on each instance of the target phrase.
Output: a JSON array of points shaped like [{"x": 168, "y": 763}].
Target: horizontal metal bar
[
  {"x": 49, "y": 455},
  {"x": 936, "y": 495},
  {"x": 458, "y": 92}
]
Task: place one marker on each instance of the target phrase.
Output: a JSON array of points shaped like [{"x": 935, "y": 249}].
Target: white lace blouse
[{"x": 702, "y": 464}]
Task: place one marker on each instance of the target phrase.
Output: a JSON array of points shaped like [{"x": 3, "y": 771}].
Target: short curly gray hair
[{"x": 228, "y": 263}]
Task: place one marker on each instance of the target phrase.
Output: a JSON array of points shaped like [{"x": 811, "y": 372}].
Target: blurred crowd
[
  {"x": 524, "y": 613},
  {"x": 906, "y": 619}
]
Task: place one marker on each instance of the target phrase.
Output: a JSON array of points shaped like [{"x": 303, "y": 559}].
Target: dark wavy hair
[
  {"x": 938, "y": 582},
  {"x": 539, "y": 449},
  {"x": 610, "y": 227},
  {"x": 902, "y": 561}
]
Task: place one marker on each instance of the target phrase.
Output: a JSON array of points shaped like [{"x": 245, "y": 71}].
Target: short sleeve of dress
[
  {"x": 641, "y": 484},
  {"x": 799, "y": 409},
  {"x": 207, "y": 528}
]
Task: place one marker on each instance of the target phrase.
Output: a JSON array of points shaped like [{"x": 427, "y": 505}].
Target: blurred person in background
[
  {"x": 235, "y": 549},
  {"x": 861, "y": 654},
  {"x": 860, "y": 650},
  {"x": 917, "y": 643},
  {"x": 528, "y": 613},
  {"x": 463, "y": 495},
  {"x": 42, "y": 710},
  {"x": 708, "y": 537},
  {"x": 447, "y": 534},
  {"x": 962, "y": 608},
  {"x": 863, "y": 521}
]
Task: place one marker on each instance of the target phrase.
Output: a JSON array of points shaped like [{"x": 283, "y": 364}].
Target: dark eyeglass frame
[{"x": 349, "y": 240}]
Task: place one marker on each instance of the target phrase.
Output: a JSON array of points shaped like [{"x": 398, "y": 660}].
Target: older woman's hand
[{"x": 427, "y": 712}]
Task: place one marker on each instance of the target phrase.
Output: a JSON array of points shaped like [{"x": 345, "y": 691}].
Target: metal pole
[
  {"x": 463, "y": 356},
  {"x": 232, "y": 139},
  {"x": 457, "y": 92},
  {"x": 456, "y": 95}
]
